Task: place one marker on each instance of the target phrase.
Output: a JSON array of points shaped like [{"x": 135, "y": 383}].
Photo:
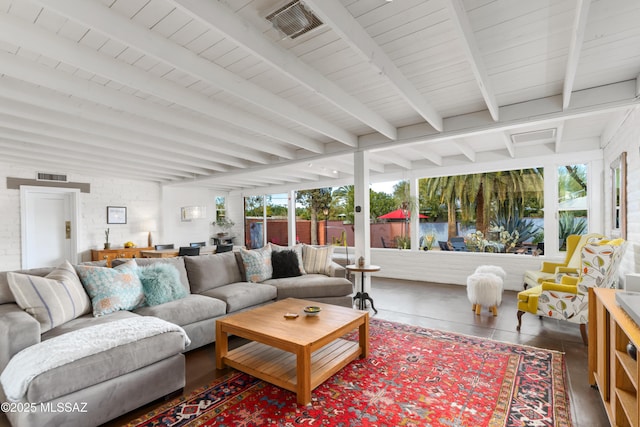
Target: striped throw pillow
[
  {"x": 52, "y": 300},
  {"x": 317, "y": 260}
]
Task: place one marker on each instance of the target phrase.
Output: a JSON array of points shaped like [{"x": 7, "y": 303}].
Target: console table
[
  {"x": 363, "y": 296},
  {"x": 111, "y": 254},
  {"x": 611, "y": 368}
]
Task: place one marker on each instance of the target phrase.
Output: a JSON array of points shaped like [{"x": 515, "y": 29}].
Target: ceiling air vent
[
  {"x": 543, "y": 136},
  {"x": 294, "y": 19},
  {"x": 57, "y": 177}
]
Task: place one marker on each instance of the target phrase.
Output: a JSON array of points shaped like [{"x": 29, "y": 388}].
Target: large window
[
  {"x": 266, "y": 216},
  {"x": 485, "y": 212},
  {"x": 572, "y": 202}
]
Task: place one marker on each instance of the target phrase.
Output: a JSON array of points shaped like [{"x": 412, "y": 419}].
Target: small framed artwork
[{"x": 116, "y": 215}]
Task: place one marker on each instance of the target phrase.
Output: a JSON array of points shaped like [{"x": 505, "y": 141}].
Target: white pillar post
[
  {"x": 362, "y": 220},
  {"x": 292, "y": 218}
]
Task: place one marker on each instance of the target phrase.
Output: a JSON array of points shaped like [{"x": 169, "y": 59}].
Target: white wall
[
  {"x": 142, "y": 200},
  {"x": 181, "y": 233},
  {"x": 626, "y": 138}
]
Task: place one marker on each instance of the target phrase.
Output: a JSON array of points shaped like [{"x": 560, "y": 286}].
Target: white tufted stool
[{"x": 484, "y": 288}]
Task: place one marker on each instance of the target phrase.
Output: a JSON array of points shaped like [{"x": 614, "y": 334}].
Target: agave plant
[
  {"x": 570, "y": 224},
  {"x": 525, "y": 228}
]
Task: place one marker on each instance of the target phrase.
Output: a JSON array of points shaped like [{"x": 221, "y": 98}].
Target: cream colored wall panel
[{"x": 451, "y": 267}]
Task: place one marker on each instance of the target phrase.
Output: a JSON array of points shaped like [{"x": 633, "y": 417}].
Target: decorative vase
[{"x": 107, "y": 245}]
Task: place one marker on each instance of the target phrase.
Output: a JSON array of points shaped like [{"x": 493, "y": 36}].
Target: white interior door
[{"x": 49, "y": 223}]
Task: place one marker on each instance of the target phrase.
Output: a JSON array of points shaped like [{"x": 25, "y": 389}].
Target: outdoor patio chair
[
  {"x": 458, "y": 244},
  {"x": 568, "y": 299},
  {"x": 444, "y": 246},
  {"x": 197, "y": 244}
]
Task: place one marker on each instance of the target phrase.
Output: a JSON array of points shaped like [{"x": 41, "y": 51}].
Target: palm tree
[
  {"x": 484, "y": 195},
  {"x": 315, "y": 201}
]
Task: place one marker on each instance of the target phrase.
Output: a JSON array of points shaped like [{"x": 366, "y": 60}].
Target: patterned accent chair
[
  {"x": 569, "y": 299},
  {"x": 570, "y": 265}
]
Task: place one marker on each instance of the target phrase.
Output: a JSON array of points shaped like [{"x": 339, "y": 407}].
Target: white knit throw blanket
[{"x": 74, "y": 345}]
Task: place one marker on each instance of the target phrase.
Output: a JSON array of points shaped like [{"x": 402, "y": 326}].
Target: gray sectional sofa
[{"x": 110, "y": 383}]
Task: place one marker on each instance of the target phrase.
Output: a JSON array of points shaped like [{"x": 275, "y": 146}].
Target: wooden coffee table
[{"x": 295, "y": 354}]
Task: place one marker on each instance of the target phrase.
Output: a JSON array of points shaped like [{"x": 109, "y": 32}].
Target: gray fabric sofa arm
[
  {"x": 18, "y": 330},
  {"x": 336, "y": 270}
]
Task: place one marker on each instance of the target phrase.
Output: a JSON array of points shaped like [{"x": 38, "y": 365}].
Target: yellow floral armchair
[
  {"x": 570, "y": 265},
  {"x": 569, "y": 299}
]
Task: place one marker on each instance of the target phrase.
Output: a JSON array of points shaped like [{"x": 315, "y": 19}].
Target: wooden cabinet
[
  {"x": 111, "y": 254},
  {"x": 611, "y": 369}
]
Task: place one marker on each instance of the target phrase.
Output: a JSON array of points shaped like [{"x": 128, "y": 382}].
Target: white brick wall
[
  {"x": 142, "y": 200},
  {"x": 627, "y": 138}
]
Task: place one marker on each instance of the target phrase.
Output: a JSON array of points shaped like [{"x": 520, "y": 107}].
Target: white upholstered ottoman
[{"x": 484, "y": 288}]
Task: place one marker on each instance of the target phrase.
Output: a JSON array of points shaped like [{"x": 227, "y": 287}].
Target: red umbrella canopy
[{"x": 398, "y": 214}]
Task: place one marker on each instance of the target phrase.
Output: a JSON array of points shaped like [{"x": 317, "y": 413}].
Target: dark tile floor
[{"x": 446, "y": 307}]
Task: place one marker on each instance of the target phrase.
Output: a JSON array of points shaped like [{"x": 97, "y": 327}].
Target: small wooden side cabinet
[
  {"x": 111, "y": 254},
  {"x": 611, "y": 368}
]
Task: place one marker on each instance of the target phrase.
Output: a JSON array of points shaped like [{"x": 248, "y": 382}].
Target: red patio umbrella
[{"x": 398, "y": 214}]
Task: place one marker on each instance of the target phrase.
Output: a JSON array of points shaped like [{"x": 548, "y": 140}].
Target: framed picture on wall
[{"x": 116, "y": 215}]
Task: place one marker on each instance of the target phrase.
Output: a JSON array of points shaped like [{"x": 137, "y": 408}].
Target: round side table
[{"x": 362, "y": 296}]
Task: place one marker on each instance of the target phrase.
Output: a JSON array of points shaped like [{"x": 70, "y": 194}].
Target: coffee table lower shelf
[{"x": 280, "y": 367}]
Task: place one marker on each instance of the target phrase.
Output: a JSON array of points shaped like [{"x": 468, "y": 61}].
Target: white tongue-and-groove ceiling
[{"x": 209, "y": 93}]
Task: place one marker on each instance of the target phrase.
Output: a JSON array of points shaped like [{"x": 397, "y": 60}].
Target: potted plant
[
  {"x": 107, "y": 245},
  {"x": 225, "y": 224}
]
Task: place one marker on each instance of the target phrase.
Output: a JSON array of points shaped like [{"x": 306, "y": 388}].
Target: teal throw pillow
[
  {"x": 112, "y": 289},
  {"x": 161, "y": 283}
]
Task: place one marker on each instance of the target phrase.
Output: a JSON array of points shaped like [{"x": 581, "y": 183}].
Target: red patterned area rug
[{"x": 413, "y": 377}]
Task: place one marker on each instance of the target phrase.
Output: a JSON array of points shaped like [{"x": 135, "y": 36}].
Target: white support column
[
  {"x": 264, "y": 221},
  {"x": 362, "y": 221},
  {"x": 292, "y": 217},
  {"x": 415, "y": 215},
  {"x": 551, "y": 210}
]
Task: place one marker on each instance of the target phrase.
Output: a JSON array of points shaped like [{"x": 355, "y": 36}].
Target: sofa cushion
[
  {"x": 193, "y": 308},
  {"x": 161, "y": 283},
  {"x": 317, "y": 260},
  {"x": 311, "y": 286},
  {"x": 210, "y": 271},
  {"x": 52, "y": 300},
  {"x": 242, "y": 294},
  {"x": 177, "y": 262},
  {"x": 112, "y": 289},
  {"x": 257, "y": 264},
  {"x": 296, "y": 248},
  {"x": 285, "y": 264}
]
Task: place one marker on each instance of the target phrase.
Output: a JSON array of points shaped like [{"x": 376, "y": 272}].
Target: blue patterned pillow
[
  {"x": 112, "y": 289},
  {"x": 257, "y": 264}
]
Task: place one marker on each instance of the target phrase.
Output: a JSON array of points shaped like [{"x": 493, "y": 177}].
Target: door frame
[{"x": 26, "y": 190}]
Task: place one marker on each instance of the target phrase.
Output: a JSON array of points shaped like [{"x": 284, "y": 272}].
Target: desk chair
[
  {"x": 161, "y": 247},
  {"x": 188, "y": 251},
  {"x": 197, "y": 244}
]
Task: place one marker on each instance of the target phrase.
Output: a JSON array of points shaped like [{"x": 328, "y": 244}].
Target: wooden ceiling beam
[
  {"x": 333, "y": 13},
  {"x": 30, "y": 36},
  {"x": 158, "y": 117},
  {"x": 474, "y": 57},
  {"x": 218, "y": 16},
  {"x": 106, "y": 21},
  {"x": 575, "y": 47}
]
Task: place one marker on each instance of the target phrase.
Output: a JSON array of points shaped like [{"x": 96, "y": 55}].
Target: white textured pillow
[
  {"x": 317, "y": 260},
  {"x": 52, "y": 300},
  {"x": 257, "y": 264},
  {"x": 296, "y": 248}
]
